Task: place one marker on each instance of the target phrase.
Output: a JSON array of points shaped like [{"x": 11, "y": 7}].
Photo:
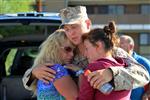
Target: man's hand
[
  {"x": 44, "y": 73},
  {"x": 100, "y": 77}
]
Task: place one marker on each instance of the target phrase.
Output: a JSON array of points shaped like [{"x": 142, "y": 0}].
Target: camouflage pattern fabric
[{"x": 132, "y": 76}]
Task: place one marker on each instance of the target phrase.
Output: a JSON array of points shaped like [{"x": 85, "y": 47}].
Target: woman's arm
[{"x": 66, "y": 87}]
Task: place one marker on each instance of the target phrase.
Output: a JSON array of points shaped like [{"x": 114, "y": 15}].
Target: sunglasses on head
[{"x": 68, "y": 49}]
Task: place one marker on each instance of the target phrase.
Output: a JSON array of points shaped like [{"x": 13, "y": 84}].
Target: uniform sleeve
[
  {"x": 31, "y": 84},
  {"x": 132, "y": 76},
  {"x": 28, "y": 84}
]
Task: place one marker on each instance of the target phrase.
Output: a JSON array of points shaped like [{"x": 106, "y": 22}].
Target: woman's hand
[
  {"x": 100, "y": 77},
  {"x": 44, "y": 73}
]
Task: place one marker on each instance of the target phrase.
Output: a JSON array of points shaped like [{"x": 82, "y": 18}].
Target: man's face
[
  {"x": 124, "y": 44},
  {"x": 75, "y": 31}
]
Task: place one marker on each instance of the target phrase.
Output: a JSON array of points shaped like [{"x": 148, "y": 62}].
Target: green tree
[{"x": 14, "y": 6}]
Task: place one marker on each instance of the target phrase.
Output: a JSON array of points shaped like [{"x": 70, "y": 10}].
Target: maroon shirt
[{"x": 89, "y": 93}]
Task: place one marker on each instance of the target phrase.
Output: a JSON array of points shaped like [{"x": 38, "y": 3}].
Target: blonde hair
[{"x": 49, "y": 49}]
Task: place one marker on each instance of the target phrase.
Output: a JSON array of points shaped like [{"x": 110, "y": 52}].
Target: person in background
[
  {"x": 127, "y": 43},
  {"x": 99, "y": 44},
  {"x": 75, "y": 22},
  {"x": 58, "y": 50}
]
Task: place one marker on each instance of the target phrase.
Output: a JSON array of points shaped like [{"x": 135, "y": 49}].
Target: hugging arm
[
  {"x": 28, "y": 79},
  {"x": 66, "y": 87},
  {"x": 64, "y": 83},
  {"x": 123, "y": 78},
  {"x": 132, "y": 76},
  {"x": 41, "y": 72}
]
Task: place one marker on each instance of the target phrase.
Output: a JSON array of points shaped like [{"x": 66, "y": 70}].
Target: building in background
[{"x": 132, "y": 17}]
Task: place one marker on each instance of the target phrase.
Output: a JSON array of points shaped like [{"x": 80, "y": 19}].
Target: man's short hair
[
  {"x": 72, "y": 15},
  {"x": 129, "y": 38}
]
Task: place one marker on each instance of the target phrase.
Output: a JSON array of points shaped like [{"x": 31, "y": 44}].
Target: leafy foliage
[{"x": 14, "y": 6}]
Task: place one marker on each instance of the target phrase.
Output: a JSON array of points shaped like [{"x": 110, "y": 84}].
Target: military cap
[{"x": 72, "y": 15}]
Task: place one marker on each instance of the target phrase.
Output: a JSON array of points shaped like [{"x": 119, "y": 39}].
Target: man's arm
[
  {"x": 41, "y": 72},
  {"x": 26, "y": 78},
  {"x": 132, "y": 76},
  {"x": 29, "y": 80},
  {"x": 122, "y": 78}
]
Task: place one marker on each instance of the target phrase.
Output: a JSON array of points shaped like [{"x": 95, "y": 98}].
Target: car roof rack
[
  {"x": 29, "y": 18},
  {"x": 31, "y": 14}
]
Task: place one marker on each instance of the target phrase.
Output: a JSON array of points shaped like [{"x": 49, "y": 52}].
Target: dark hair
[{"x": 107, "y": 35}]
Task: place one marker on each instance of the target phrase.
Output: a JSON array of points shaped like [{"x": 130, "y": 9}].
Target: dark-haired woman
[{"x": 99, "y": 44}]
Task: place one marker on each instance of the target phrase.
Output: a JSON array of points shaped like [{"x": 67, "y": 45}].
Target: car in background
[
  {"x": 18, "y": 50},
  {"x": 28, "y": 23}
]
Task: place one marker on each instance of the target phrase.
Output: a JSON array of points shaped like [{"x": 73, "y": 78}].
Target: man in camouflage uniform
[{"x": 76, "y": 22}]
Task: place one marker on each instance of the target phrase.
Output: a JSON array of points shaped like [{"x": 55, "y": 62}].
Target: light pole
[
  {"x": 66, "y": 3},
  {"x": 39, "y": 5}
]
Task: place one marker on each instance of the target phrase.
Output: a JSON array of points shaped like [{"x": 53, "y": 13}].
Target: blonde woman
[{"x": 56, "y": 49}]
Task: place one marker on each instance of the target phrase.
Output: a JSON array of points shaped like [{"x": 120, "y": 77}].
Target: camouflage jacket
[{"x": 135, "y": 75}]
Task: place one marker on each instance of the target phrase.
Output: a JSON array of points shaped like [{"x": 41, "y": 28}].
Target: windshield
[{"x": 16, "y": 30}]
